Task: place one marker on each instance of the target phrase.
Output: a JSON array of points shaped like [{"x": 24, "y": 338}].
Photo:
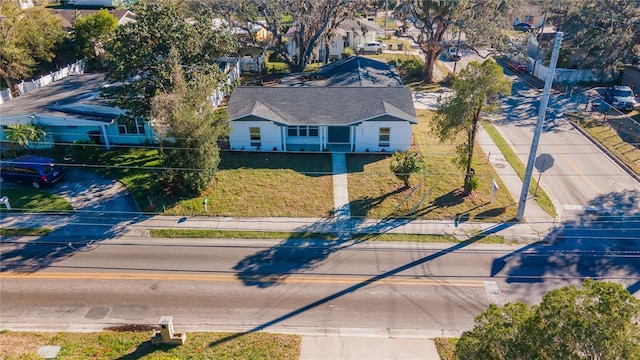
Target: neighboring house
[
  {"x": 24, "y": 4},
  {"x": 529, "y": 13},
  {"x": 352, "y": 71},
  {"x": 358, "y": 119},
  {"x": 349, "y": 33},
  {"x": 72, "y": 110},
  {"x": 69, "y": 16}
]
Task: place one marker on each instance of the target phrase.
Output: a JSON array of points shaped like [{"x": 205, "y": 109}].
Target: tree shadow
[
  {"x": 310, "y": 164},
  {"x": 362, "y": 206},
  {"x": 96, "y": 218},
  {"x": 374, "y": 279},
  {"x": 601, "y": 242},
  {"x": 146, "y": 348}
]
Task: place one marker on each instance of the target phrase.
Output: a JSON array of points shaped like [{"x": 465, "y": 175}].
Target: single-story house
[
  {"x": 69, "y": 16},
  {"x": 72, "y": 109},
  {"x": 358, "y": 119}
]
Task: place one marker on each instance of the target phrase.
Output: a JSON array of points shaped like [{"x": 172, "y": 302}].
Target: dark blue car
[{"x": 35, "y": 170}]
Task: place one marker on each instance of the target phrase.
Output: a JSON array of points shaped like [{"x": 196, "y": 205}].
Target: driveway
[{"x": 89, "y": 191}]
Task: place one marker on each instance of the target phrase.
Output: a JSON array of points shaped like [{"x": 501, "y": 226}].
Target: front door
[{"x": 338, "y": 135}]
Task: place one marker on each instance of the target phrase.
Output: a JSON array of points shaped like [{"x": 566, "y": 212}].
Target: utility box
[{"x": 166, "y": 334}]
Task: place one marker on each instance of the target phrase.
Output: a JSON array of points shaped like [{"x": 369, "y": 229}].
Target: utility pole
[
  {"x": 455, "y": 64},
  {"x": 536, "y": 135},
  {"x": 386, "y": 9},
  {"x": 541, "y": 33}
]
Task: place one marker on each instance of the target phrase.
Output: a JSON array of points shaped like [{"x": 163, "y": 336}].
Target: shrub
[{"x": 84, "y": 152}]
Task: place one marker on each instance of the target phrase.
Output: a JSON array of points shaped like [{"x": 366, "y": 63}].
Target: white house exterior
[
  {"x": 350, "y": 33},
  {"x": 357, "y": 119},
  {"x": 74, "y": 115}
]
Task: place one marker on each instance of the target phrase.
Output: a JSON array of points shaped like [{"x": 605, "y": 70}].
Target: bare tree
[
  {"x": 295, "y": 26},
  {"x": 482, "y": 21}
]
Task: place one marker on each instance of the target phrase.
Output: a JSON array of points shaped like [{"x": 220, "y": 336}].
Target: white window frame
[{"x": 384, "y": 137}]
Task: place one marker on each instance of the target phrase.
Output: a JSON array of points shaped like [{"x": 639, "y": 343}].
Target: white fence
[
  {"x": 26, "y": 87},
  {"x": 567, "y": 76}
]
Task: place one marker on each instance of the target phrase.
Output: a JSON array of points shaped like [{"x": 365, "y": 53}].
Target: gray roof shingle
[{"x": 321, "y": 105}]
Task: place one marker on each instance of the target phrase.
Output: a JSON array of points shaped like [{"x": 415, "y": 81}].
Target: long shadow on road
[
  {"x": 601, "y": 243},
  {"x": 353, "y": 288}
]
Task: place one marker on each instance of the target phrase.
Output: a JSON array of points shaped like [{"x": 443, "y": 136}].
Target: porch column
[
  {"x": 283, "y": 136},
  {"x": 106, "y": 138}
]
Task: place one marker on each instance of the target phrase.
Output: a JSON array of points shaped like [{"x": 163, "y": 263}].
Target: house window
[
  {"x": 385, "y": 134},
  {"x": 304, "y": 131},
  {"x": 135, "y": 127},
  {"x": 254, "y": 133},
  {"x": 528, "y": 19}
]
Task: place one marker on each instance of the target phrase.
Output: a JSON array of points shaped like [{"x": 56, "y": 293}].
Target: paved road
[
  {"x": 582, "y": 176},
  {"x": 293, "y": 284}
]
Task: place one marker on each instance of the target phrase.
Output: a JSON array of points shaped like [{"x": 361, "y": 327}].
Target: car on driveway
[
  {"x": 620, "y": 97},
  {"x": 373, "y": 46},
  {"x": 35, "y": 170},
  {"x": 518, "y": 67}
]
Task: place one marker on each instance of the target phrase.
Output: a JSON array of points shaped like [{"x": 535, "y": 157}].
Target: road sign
[{"x": 544, "y": 162}]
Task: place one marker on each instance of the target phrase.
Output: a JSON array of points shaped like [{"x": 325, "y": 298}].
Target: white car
[{"x": 373, "y": 46}]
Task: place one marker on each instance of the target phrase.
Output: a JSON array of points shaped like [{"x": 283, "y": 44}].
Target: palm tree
[{"x": 26, "y": 135}]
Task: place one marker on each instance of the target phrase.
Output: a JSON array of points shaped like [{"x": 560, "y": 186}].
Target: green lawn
[
  {"x": 26, "y": 199},
  {"x": 375, "y": 192},
  {"x": 136, "y": 345},
  {"x": 541, "y": 196},
  {"x": 233, "y": 234}
]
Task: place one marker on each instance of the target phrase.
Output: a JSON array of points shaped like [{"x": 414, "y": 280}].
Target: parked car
[
  {"x": 453, "y": 54},
  {"x": 35, "y": 170},
  {"x": 620, "y": 97},
  {"x": 518, "y": 67},
  {"x": 524, "y": 27},
  {"x": 373, "y": 46}
]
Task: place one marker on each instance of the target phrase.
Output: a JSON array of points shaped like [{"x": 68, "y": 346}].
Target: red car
[{"x": 518, "y": 67}]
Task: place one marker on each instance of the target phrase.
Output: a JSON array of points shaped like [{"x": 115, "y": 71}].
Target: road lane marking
[
  {"x": 577, "y": 170},
  {"x": 248, "y": 278}
]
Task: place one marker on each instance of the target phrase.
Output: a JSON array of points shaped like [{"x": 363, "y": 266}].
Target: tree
[
  {"x": 138, "y": 56},
  {"x": 607, "y": 31},
  {"x": 307, "y": 21},
  {"x": 598, "y": 321},
  {"x": 405, "y": 163},
  {"x": 27, "y": 38},
  {"x": 475, "y": 91},
  {"x": 189, "y": 149},
  {"x": 91, "y": 32},
  {"x": 26, "y": 135},
  {"x": 482, "y": 21}
]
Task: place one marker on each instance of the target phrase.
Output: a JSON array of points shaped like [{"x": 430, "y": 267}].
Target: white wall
[
  {"x": 368, "y": 134},
  {"x": 270, "y": 135}
]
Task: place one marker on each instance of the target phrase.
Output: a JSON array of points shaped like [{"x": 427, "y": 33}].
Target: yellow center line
[
  {"x": 577, "y": 170},
  {"x": 294, "y": 278}
]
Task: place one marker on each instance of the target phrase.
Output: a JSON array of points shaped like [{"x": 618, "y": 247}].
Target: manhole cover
[{"x": 499, "y": 165}]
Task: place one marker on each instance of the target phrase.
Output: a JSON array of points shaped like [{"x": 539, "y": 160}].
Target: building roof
[
  {"x": 360, "y": 71},
  {"x": 321, "y": 105},
  {"x": 360, "y": 25},
  {"x": 68, "y": 16},
  {"x": 75, "y": 97}
]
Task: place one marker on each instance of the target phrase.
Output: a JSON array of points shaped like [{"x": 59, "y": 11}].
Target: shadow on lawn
[
  {"x": 310, "y": 164},
  {"x": 268, "y": 256},
  {"x": 601, "y": 243}
]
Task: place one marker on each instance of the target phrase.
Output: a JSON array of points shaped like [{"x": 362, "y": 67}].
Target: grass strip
[
  {"x": 136, "y": 345},
  {"x": 541, "y": 198},
  {"x": 23, "y": 199},
  {"x": 238, "y": 234},
  {"x": 243, "y": 234},
  {"x": 608, "y": 137},
  {"x": 24, "y": 231}
]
